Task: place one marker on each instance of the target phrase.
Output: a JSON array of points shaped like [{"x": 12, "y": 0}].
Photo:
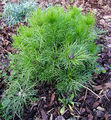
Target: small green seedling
[
  {"x": 67, "y": 102},
  {"x": 100, "y": 69},
  {"x": 0, "y": 15}
]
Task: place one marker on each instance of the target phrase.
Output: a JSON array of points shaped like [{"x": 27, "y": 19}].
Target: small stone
[
  {"x": 60, "y": 118},
  {"x": 102, "y": 21},
  {"x": 100, "y": 108},
  {"x": 100, "y": 114},
  {"x": 109, "y": 45},
  {"x": 108, "y": 94}
]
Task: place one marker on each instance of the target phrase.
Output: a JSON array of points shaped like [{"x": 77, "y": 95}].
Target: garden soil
[{"x": 94, "y": 102}]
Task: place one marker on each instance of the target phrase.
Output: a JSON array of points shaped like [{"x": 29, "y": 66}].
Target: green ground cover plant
[
  {"x": 14, "y": 13},
  {"x": 57, "y": 47}
]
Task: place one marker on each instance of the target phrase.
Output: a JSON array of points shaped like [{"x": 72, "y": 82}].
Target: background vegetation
[{"x": 17, "y": 12}]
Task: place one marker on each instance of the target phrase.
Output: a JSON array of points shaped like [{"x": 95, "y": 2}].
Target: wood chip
[{"x": 100, "y": 108}]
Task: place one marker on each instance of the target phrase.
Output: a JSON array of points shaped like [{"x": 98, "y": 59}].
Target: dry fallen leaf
[
  {"x": 104, "y": 87},
  {"x": 52, "y": 98}
]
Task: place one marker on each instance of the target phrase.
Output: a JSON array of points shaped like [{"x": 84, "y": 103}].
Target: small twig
[
  {"x": 5, "y": 49},
  {"x": 89, "y": 90},
  {"x": 8, "y": 41},
  {"x": 107, "y": 97},
  {"x": 77, "y": 110},
  {"x": 85, "y": 95},
  {"x": 77, "y": 116},
  {"x": 84, "y": 99},
  {"x": 101, "y": 92},
  {"x": 64, "y": 112},
  {"x": 50, "y": 110}
]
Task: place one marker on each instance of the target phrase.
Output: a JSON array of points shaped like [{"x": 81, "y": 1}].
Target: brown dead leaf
[
  {"x": 108, "y": 85},
  {"x": 9, "y": 49},
  {"x": 82, "y": 98},
  {"x": 52, "y": 98},
  {"x": 103, "y": 87},
  {"x": 99, "y": 87}
]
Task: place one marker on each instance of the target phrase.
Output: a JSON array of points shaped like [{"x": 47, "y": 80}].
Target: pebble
[
  {"x": 60, "y": 118},
  {"x": 100, "y": 114},
  {"x": 100, "y": 108},
  {"x": 109, "y": 45},
  {"x": 107, "y": 17},
  {"x": 108, "y": 94}
]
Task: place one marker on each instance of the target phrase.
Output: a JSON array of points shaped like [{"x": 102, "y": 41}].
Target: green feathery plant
[
  {"x": 67, "y": 102},
  {"x": 56, "y": 47},
  {"x": 16, "y": 96}
]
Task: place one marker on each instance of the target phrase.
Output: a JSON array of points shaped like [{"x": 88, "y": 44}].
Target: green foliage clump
[
  {"x": 57, "y": 47},
  {"x": 16, "y": 12},
  {"x": 16, "y": 96}
]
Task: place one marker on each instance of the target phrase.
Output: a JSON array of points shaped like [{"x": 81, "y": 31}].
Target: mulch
[{"x": 93, "y": 103}]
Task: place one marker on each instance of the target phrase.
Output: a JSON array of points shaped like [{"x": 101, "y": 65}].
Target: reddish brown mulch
[{"x": 90, "y": 107}]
